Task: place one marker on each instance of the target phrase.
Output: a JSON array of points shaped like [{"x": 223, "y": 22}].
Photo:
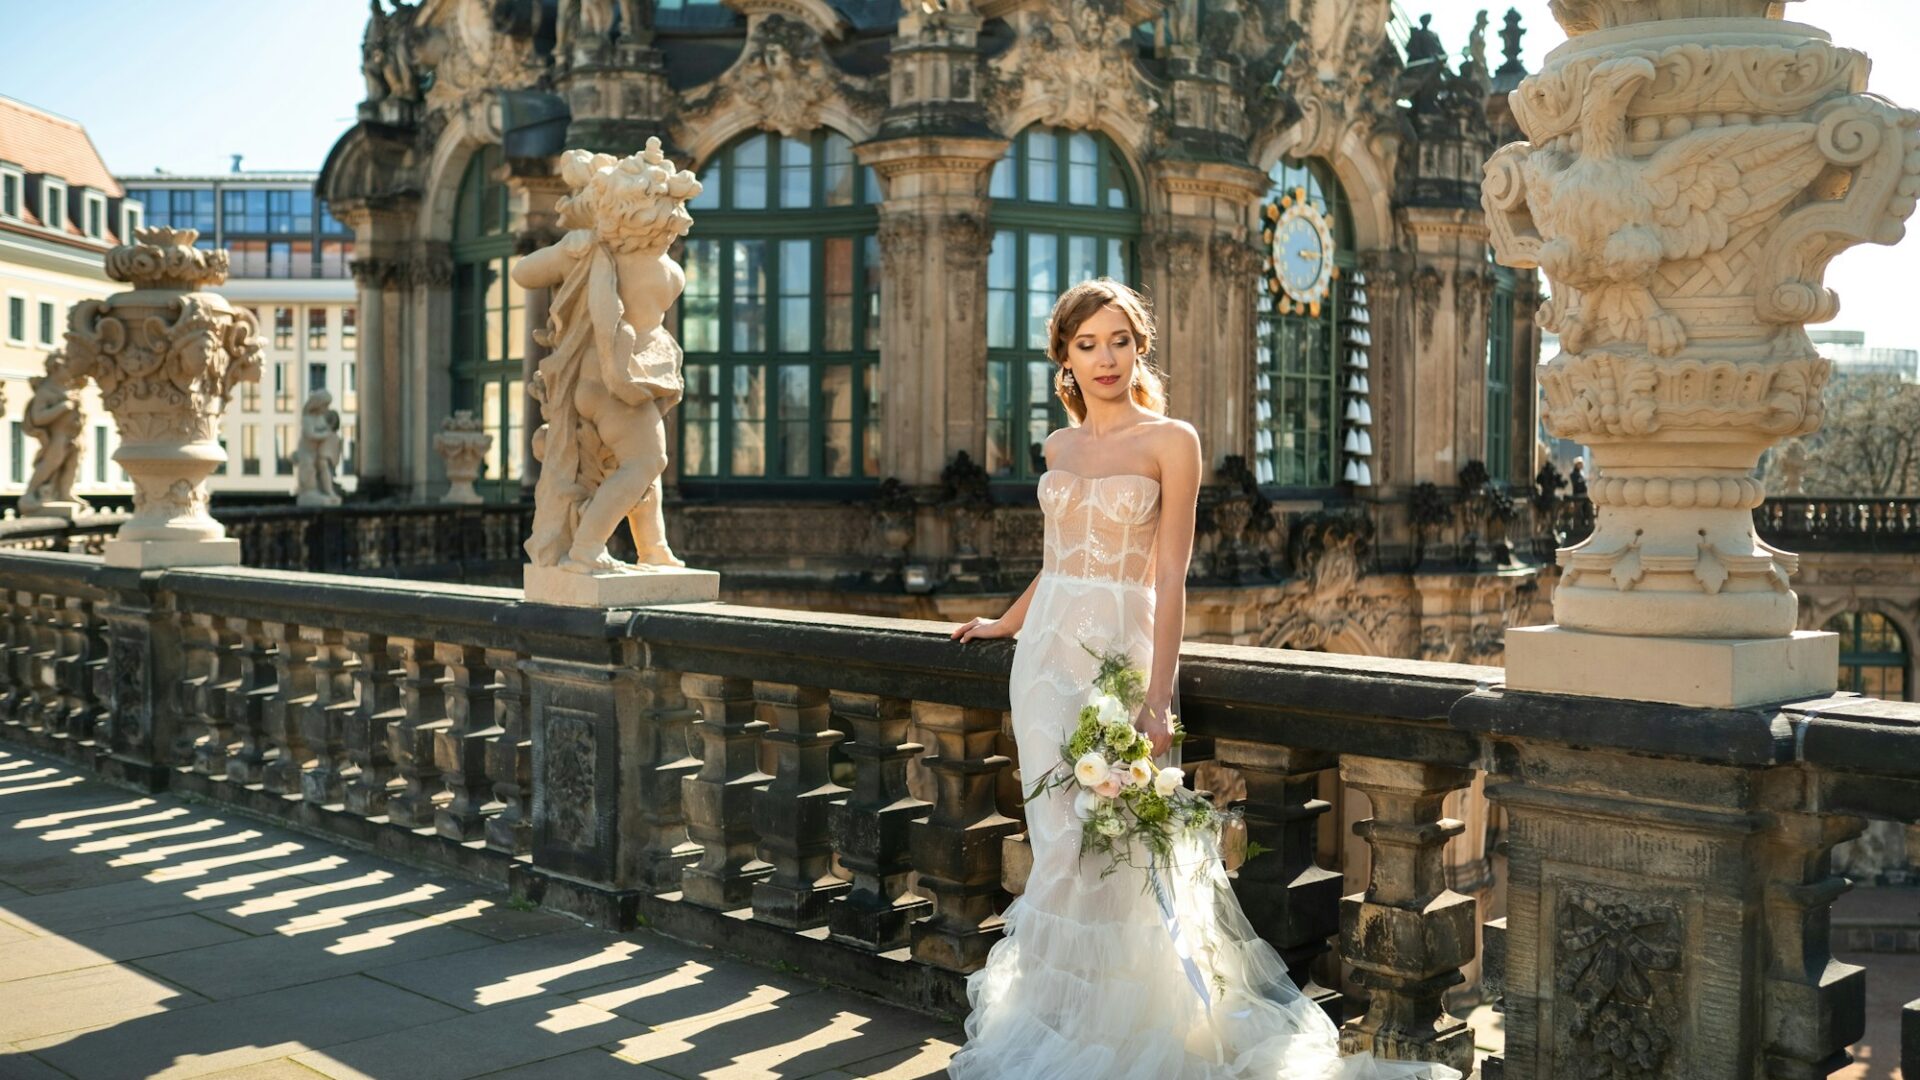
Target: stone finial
[
  {"x": 54, "y": 417},
  {"x": 1510, "y": 35},
  {"x": 462, "y": 444},
  {"x": 610, "y": 377},
  {"x": 167, "y": 358},
  {"x": 318, "y": 453},
  {"x": 1684, "y": 192}
]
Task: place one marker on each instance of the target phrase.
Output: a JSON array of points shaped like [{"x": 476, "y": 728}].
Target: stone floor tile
[
  {"x": 791, "y": 1037},
  {"x": 275, "y": 960},
  {"x": 63, "y": 1001},
  {"x": 134, "y": 901},
  {"x": 17, "y": 1064},
  {"x": 277, "y": 1069},
  {"x": 492, "y": 916},
  {"x": 92, "y": 948},
  {"x": 923, "y": 1061},
  {"x": 244, "y": 1031},
  {"x": 474, "y": 1045},
  {"x": 570, "y": 963},
  {"x": 708, "y": 985},
  {"x": 597, "y": 1064}
]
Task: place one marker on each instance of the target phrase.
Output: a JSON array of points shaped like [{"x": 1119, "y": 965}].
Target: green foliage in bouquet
[{"x": 1125, "y": 803}]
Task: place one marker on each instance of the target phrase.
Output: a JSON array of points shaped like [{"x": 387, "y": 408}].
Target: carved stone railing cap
[{"x": 163, "y": 258}]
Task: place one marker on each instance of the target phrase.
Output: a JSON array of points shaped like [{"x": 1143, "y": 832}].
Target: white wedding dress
[{"x": 1094, "y": 978}]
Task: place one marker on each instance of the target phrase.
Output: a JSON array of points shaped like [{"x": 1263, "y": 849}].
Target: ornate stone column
[
  {"x": 166, "y": 357},
  {"x": 1685, "y": 187}
]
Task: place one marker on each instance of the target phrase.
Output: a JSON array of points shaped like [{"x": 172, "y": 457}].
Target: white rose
[
  {"x": 1111, "y": 711},
  {"x": 1111, "y": 825},
  {"x": 1169, "y": 780},
  {"x": 1140, "y": 773},
  {"x": 1091, "y": 769},
  {"x": 1086, "y": 804}
]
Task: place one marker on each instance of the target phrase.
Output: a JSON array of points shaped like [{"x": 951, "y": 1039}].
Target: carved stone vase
[
  {"x": 167, "y": 357},
  {"x": 462, "y": 445},
  {"x": 1693, "y": 166}
]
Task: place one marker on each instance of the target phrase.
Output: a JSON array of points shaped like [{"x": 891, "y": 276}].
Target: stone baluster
[
  {"x": 214, "y": 699},
  {"x": 377, "y": 706},
  {"x": 247, "y": 705},
  {"x": 293, "y": 673},
  {"x": 1408, "y": 935},
  {"x": 1815, "y": 1005},
  {"x": 198, "y": 643},
  {"x": 719, "y": 798},
  {"x": 1493, "y": 982},
  {"x": 325, "y": 718},
  {"x": 510, "y": 759},
  {"x": 664, "y": 850},
  {"x": 957, "y": 848},
  {"x": 460, "y": 748},
  {"x": 46, "y": 650},
  {"x": 1293, "y": 903},
  {"x": 790, "y": 814},
  {"x": 71, "y": 686},
  {"x": 96, "y": 717},
  {"x": 410, "y": 738},
  {"x": 870, "y": 826},
  {"x": 18, "y": 666}
]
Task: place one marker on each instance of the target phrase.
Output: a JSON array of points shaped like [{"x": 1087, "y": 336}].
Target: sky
[{"x": 182, "y": 85}]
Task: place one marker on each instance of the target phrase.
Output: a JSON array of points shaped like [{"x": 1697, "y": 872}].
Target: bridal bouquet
[{"x": 1122, "y": 797}]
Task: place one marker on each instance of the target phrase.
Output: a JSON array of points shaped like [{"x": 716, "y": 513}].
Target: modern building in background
[
  {"x": 1851, "y": 355},
  {"x": 60, "y": 210},
  {"x": 288, "y": 263}
]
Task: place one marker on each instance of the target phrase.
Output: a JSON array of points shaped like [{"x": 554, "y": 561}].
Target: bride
[{"x": 1095, "y": 977}]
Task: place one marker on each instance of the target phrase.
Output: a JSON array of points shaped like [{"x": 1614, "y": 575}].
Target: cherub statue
[
  {"x": 54, "y": 417},
  {"x": 385, "y": 57},
  {"x": 613, "y": 371},
  {"x": 318, "y": 453}
]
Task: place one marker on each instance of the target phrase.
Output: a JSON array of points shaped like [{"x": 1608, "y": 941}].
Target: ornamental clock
[{"x": 1299, "y": 253}]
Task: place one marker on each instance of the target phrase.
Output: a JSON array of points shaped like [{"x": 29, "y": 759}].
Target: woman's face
[{"x": 1101, "y": 354}]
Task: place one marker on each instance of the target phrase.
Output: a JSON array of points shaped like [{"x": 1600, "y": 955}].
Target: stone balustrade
[{"x": 740, "y": 776}]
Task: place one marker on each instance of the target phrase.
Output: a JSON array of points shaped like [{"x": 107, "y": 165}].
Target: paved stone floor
[{"x": 141, "y": 936}]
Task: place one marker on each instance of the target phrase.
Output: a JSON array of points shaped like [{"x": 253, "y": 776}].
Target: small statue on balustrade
[
  {"x": 613, "y": 371},
  {"x": 318, "y": 454},
  {"x": 54, "y": 417}
]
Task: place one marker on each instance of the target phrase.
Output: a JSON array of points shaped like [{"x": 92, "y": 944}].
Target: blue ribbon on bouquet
[{"x": 1171, "y": 920}]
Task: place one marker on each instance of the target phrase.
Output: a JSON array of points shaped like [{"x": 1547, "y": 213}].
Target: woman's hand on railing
[{"x": 978, "y": 627}]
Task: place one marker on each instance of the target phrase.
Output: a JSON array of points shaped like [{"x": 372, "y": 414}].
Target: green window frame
[
  {"x": 489, "y": 322},
  {"x": 1064, "y": 210},
  {"x": 780, "y": 320},
  {"x": 1500, "y": 360},
  {"x": 1874, "y": 656},
  {"x": 1297, "y": 352}
]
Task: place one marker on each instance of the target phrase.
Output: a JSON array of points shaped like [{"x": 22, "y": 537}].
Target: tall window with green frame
[
  {"x": 781, "y": 316},
  {"x": 1064, "y": 210},
  {"x": 1873, "y": 655},
  {"x": 1296, "y": 386},
  {"x": 1500, "y": 376},
  {"x": 489, "y": 320}
]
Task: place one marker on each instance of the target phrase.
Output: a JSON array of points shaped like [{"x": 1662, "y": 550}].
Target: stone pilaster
[
  {"x": 1408, "y": 935},
  {"x": 1686, "y": 185},
  {"x": 870, "y": 827},
  {"x": 380, "y": 237},
  {"x": 1291, "y": 900},
  {"x": 790, "y": 814}
]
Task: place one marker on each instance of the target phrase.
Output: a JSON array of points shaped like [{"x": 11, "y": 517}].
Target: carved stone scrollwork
[
  {"x": 902, "y": 239},
  {"x": 1427, "y": 283},
  {"x": 1074, "y": 64},
  {"x": 1180, "y": 254},
  {"x": 1617, "y": 963},
  {"x": 1684, "y": 194},
  {"x": 786, "y": 79},
  {"x": 967, "y": 239}
]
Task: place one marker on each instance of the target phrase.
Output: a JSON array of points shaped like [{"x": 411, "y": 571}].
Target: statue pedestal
[
  {"x": 612, "y": 589},
  {"x": 65, "y": 511},
  {"x": 1723, "y": 673},
  {"x": 158, "y": 554},
  {"x": 315, "y": 498}
]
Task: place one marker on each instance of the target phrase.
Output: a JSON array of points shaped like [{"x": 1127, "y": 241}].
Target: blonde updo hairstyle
[{"x": 1076, "y": 306}]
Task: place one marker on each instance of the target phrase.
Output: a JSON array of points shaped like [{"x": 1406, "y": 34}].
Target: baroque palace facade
[{"x": 894, "y": 195}]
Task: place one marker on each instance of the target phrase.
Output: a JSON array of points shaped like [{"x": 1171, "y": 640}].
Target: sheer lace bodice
[
  {"x": 1094, "y": 980},
  {"x": 1100, "y": 526}
]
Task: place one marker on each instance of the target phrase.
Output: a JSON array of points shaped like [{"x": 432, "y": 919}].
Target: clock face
[{"x": 1302, "y": 253}]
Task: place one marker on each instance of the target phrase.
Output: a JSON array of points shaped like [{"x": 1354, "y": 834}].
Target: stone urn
[
  {"x": 462, "y": 444},
  {"x": 167, "y": 357}
]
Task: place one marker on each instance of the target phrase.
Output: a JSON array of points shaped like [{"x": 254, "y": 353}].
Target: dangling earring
[{"x": 1066, "y": 380}]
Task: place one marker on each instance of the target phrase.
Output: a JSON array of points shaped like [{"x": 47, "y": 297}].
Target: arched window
[
  {"x": 1310, "y": 366},
  {"x": 781, "y": 316},
  {"x": 489, "y": 320},
  {"x": 1064, "y": 210},
  {"x": 1873, "y": 655}
]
